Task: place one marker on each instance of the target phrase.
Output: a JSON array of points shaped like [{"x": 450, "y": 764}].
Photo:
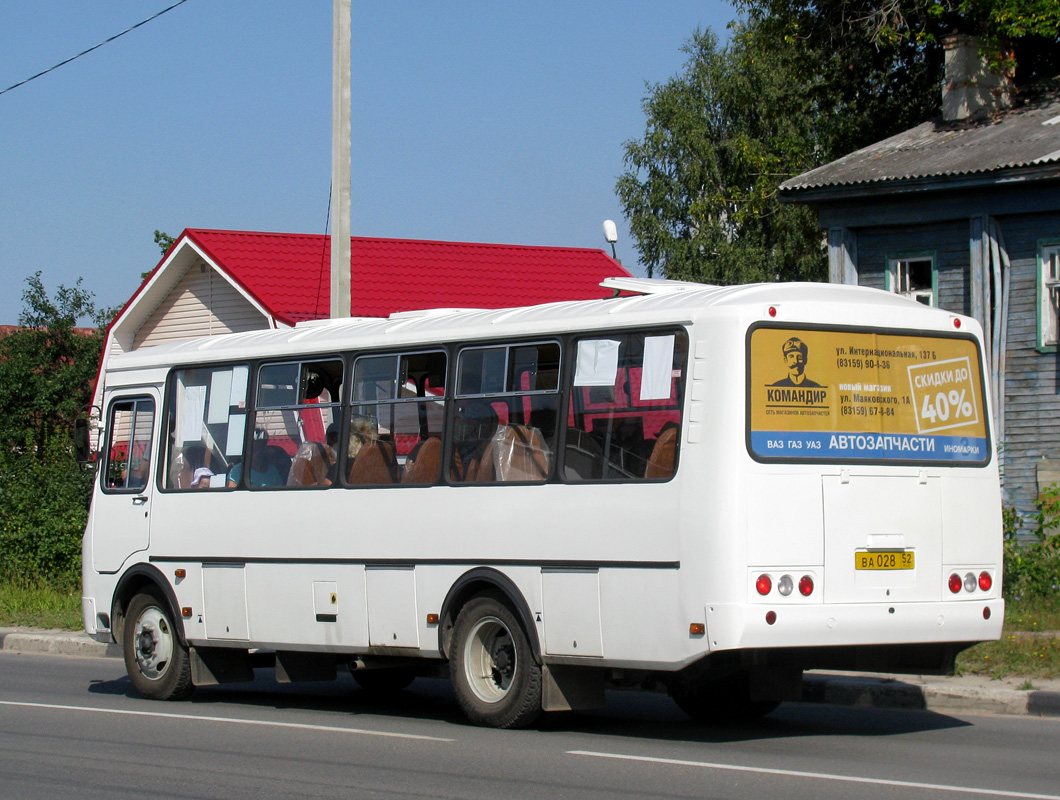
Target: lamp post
[{"x": 611, "y": 235}]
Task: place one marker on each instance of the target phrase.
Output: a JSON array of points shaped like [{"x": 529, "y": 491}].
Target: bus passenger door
[{"x": 121, "y": 507}]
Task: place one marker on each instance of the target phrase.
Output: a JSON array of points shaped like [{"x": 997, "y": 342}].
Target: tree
[
  {"x": 700, "y": 190},
  {"x": 799, "y": 84},
  {"x": 1021, "y": 34},
  {"x": 47, "y": 367},
  {"x": 164, "y": 241}
]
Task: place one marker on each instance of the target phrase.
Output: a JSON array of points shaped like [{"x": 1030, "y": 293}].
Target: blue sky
[{"x": 472, "y": 121}]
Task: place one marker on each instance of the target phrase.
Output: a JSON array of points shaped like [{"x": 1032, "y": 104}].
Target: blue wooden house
[{"x": 963, "y": 213}]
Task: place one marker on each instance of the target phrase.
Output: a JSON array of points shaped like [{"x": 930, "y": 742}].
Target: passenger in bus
[
  {"x": 262, "y": 471},
  {"x": 201, "y": 478},
  {"x": 135, "y": 477},
  {"x": 363, "y": 429}
]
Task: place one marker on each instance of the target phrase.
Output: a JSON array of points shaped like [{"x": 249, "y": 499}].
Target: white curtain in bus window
[
  {"x": 237, "y": 428},
  {"x": 237, "y": 396},
  {"x": 220, "y": 396},
  {"x": 597, "y": 362},
  {"x": 658, "y": 368},
  {"x": 193, "y": 411}
]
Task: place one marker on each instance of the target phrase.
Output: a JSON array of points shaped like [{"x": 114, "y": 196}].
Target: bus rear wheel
[
  {"x": 155, "y": 658},
  {"x": 495, "y": 677},
  {"x": 721, "y": 701}
]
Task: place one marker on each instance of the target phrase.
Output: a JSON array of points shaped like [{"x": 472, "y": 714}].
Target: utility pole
[{"x": 340, "y": 159}]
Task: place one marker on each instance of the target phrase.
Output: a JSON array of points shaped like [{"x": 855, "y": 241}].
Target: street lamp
[{"x": 611, "y": 235}]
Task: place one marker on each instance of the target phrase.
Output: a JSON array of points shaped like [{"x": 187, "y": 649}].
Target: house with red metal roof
[{"x": 211, "y": 282}]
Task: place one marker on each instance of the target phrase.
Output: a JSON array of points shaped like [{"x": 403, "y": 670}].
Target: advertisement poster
[{"x": 849, "y": 395}]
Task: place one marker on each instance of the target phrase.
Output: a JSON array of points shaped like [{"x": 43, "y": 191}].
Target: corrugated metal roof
[
  {"x": 290, "y": 273},
  {"x": 1022, "y": 138}
]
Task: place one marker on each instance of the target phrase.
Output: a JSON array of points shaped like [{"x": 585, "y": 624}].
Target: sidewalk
[{"x": 945, "y": 695}]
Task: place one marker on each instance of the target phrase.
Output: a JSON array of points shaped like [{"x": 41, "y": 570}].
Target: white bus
[{"x": 699, "y": 488}]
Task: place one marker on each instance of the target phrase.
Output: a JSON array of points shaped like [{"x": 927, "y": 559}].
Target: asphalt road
[{"x": 71, "y": 727}]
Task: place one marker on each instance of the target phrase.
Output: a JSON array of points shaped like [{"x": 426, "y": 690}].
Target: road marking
[
  {"x": 818, "y": 775},
  {"x": 230, "y": 720}
]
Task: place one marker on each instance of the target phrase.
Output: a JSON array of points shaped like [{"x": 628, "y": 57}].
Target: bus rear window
[{"x": 854, "y": 395}]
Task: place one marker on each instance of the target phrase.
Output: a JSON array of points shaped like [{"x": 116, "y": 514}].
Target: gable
[{"x": 201, "y": 304}]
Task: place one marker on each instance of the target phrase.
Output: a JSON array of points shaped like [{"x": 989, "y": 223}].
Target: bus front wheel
[
  {"x": 495, "y": 677},
  {"x": 156, "y": 660}
]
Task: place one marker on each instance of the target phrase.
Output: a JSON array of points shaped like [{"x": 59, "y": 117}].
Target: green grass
[
  {"x": 39, "y": 605},
  {"x": 1029, "y": 646},
  {"x": 1033, "y": 614}
]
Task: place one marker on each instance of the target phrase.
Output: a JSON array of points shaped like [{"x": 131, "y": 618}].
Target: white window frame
[
  {"x": 1048, "y": 294},
  {"x": 894, "y": 281}
]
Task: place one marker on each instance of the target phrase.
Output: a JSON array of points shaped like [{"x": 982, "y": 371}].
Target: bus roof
[{"x": 643, "y": 301}]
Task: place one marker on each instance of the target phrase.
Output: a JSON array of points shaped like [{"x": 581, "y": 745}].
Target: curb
[
  {"x": 941, "y": 695},
  {"x": 56, "y": 643}
]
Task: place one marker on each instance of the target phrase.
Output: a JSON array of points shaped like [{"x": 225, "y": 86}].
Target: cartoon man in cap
[{"x": 795, "y": 356}]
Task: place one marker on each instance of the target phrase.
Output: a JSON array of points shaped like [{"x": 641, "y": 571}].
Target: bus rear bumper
[{"x": 742, "y": 627}]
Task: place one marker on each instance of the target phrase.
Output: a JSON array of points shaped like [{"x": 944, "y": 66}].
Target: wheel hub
[
  {"x": 490, "y": 661},
  {"x": 153, "y": 643}
]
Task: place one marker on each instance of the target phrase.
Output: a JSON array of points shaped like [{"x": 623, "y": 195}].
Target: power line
[{"x": 89, "y": 50}]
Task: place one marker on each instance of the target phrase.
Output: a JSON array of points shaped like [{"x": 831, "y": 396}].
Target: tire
[
  {"x": 155, "y": 658},
  {"x": 495, "y": 676},
  {"x": 384, "y": 681},
  {"x": 723, "y": 701}
]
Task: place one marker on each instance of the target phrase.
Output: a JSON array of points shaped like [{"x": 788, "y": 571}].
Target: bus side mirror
[{"x": 82, "y": 446}]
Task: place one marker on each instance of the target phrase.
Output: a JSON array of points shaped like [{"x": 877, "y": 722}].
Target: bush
[
  {"x": 43, "y": 509},
  {"x": 46, "y": 370},
  {"x": 1032, "y": 568}
]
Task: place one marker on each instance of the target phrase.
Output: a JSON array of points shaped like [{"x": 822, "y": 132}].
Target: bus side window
[
  {"x": 207, "y": 423},
  {"x": 296, "y": 424},
  {"x": 624, "y": 417},
  {"x": 506, "y": 413},
  {"x": 396, "y": 419},
  {"x": 129, "y": 432}
]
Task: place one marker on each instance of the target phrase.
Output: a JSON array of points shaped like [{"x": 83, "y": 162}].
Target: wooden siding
[
  {"x": 947, "y": 240},
  {"x": 202, "y": 304},
  {"x": 1032, "y": 379}
]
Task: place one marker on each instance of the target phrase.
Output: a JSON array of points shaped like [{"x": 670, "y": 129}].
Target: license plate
[{"x": 891, "y": 559}]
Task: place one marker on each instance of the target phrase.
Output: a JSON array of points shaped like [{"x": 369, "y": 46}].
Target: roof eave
[{"x": 929, "y": 183}]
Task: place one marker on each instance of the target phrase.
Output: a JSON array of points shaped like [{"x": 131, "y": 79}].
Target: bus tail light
[
  {"x": 805, "y": 585},
  {"x": 785, "y": 585},
  {"x": 985, "y": 581},
  {"x": 970, "y": 582},
  {"x": 955, "y": 583},
  {"x": 771, "y": 617},
  {"x": 764, "y": 584}
]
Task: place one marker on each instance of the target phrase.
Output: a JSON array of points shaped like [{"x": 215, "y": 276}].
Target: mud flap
[
  {"x": 571, "y": 688},
  {"x": 211, "y": 666}
]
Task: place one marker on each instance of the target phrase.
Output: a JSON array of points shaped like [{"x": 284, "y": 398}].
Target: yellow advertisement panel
[{"x": 838, "y": 394}]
